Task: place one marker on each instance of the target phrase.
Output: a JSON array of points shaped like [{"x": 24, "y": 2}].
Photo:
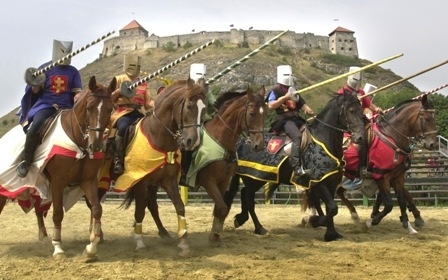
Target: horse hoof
[
  {"x": 355, "y": 216},
  {"x": 419, "y": 223},
  {"x": 183, "y": 251},
  {"x": 214, "y": 240},
  {"x": 332, "y": 236},
  {"x": 236, "y": 224},
  {"x": 369, "y": 223},
  {"x": 306, "y": 221},
  {"x": 261, "y": 231},
  {"x": 164, "y": 235}
]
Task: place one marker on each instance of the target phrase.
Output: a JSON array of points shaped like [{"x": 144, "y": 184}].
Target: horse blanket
[
  {"x": 28, "y": 190},
  {"x": 382, "y": 157},
  {"x": 143, "y": 158},
  {"x": 208, "y": 151},
  {"x": 265, "y": 166}
]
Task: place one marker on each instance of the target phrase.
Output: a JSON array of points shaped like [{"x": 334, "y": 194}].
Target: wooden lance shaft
[
  {"x": 402, "y": 80},
  {"x": 127, "y": 89},
  {"x": 347, "y": 74},
  {"x": 421, "y": 95},
  {"x": 70, "y": 55},
  {"x": 238, "y": 62}
]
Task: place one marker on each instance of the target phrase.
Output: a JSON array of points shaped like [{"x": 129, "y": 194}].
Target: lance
[
  {"x": 421, "y": 95},
  {"x": 127, "y": 88},
  {"x": 346, "y": 74},
  {"x": 34, "y": 77},
  {"x": 238, "y": 62},
  {"x": 402, "y": 80}
]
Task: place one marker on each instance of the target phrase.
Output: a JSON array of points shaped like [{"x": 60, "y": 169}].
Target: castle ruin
[{"x": 134, "y": 37}]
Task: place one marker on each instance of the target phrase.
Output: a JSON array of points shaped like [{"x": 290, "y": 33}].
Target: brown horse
[
  {"x": 215, "y": 160},
  {"x": 409, "y": 122},
  {"x": 153, "y": 156},
  {"x": 74, "y": 159}
]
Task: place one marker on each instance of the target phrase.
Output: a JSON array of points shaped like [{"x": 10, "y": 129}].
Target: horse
[
  {"x": 410, "y": 122},
  {"x": 153, "y": 156},
  {"x": 214, "y": 161},
  {"x": 323, "y": 150},
  {"x": 70, "y": 155}
]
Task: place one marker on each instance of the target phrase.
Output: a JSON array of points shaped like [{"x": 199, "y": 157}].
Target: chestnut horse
[
  {"x": 215, "y": 160},
  {"x": 341, "y": 113},
  {"x": 392, "y": 138},
  {"x": 74, "y": 159},
  {"x": 153, "y": 157}
]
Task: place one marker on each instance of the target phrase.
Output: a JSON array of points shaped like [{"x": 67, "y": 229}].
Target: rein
[
  {"x": 181, "y": 126},
  {"x": 85, "y": 132},
  {"x": 248, "y": 131},
  {"x": 408, "y": 138}
]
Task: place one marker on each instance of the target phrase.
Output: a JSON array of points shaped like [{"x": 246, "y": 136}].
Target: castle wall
[{"x": 345, "y": 43}]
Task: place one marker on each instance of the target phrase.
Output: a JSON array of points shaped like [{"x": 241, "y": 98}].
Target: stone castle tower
[{"x": 133, "y": 37}]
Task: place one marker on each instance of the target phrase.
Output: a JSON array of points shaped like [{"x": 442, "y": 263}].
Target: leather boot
[
  {"x": 119, "y": 154},
  {"x": 31, "y": 143},
  {"x": 362, "y": 168},
  {"x": 294, "y": 160}
]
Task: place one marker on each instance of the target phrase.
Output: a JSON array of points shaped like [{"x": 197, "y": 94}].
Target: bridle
[
  {"x": 85, "y": 129},
  {"x": 181, "y": 126},
  {"x": 244, "y": 117}
]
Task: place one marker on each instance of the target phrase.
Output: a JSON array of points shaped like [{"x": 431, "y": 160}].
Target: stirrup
[
  {"x": 22, "y": 169},
  {"x": 299, "y": 172},
  {"x": 365, "y": 174},
  {"x": 118, "y": 167}
]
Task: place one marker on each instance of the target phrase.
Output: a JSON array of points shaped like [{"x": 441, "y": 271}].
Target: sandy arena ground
[{"x": 290, "y": 251}]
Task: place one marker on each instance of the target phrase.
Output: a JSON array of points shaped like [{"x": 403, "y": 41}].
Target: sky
[{"x": 383, "y": 28}]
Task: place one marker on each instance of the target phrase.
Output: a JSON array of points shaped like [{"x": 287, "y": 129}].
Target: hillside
[{"x": 309, "y": 67}]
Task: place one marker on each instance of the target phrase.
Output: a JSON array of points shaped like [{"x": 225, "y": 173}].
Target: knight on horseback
[
  {"x": 354, "y": 86},
  {"x": 288, "y": 119},
  {"x": 128, "y": 108},
  {"x": 58, "y": 90}
]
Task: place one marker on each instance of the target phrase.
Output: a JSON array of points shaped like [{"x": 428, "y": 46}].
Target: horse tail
[
  {"x": 130, "y": 196},
  {"x": 304, "y": 201},
  {"x": 269, "y": 190}
]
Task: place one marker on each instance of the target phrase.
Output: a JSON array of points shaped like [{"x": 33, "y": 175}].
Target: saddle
[
  {"x": 281, "y": 143},
  {"x": 47, "y": 124}
]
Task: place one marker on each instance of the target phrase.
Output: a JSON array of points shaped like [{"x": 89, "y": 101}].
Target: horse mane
[
  {"x": 427, "y": 105},
  {"x": 324, "y": 111},
  {"x": 224, "y": 97}
]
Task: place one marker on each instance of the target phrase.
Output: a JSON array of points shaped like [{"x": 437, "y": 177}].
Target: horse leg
[
  {"x": 101, "y": 195},
  {"x": 92, "y": 193},
  {"x": 243, "y": 216},
  {"x": 385, "y": 196},
  {"x": 153, "y": 208},
  {"x": 312, "y": 219},
  {"x": 331, "y": 209},
  {"x": 3, "y": 200},
  {"x": 172, "y": 190},
  {"x": 341, "y": 193},
  {"x": 141, "y": 201},
  {"x": 58, "y": 216},
  {"x": 419, "y": 222},
  {"x": 232, "y": 190},
  {"x": 404, "y": 219},
  {"x": 250, "y": 200},
  {"x": 42, "y": 230}
]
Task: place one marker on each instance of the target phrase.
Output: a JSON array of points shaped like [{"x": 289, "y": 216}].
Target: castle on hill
[{"x": 135, "y": 37}]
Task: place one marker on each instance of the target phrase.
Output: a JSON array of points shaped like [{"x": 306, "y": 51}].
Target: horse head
[
  {"x": 98, "y": 105},
  {"x": 351, "y": 115},
  {"x": 181, "y": 110},
  {"x": 254, "y": 116},
  {"x": 426, "y": 127}
]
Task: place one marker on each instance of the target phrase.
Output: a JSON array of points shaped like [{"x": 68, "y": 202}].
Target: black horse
[{"x": 321, "y": 153}]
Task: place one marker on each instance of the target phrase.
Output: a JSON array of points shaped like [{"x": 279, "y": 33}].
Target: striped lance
[{"x": 34, "y": 77}]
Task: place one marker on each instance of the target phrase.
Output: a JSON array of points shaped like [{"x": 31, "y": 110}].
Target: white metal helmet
[
  {"x": 354, "y": 80},
  {"x": 197, "y": 71},
  {"x": 61, "y": 49},
  {"x": 369, "y": 88},
  {"x": 132, "y": 64},
  {"x": 284, "y": 75}
]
